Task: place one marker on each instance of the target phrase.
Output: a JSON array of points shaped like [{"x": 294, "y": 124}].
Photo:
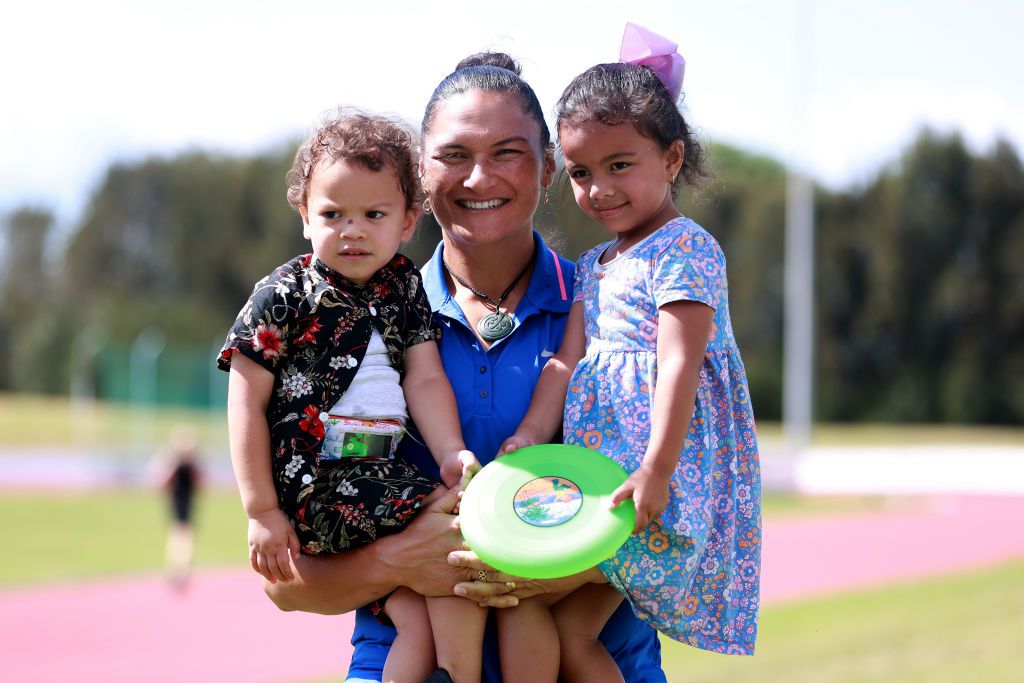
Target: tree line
[{"x": 919, "y": 276}]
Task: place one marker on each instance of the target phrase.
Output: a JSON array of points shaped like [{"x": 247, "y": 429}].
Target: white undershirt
[{"x": 375, "y": 392}]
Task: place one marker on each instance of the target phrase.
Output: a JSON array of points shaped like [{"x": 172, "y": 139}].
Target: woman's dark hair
[
  {"x": 490, "y": 72},
  {"x": 616, "y": 93},
  {"x": 373, "y": 142}
]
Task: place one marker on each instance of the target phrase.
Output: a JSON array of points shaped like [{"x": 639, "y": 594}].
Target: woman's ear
[{"x": 548, "y": 172}]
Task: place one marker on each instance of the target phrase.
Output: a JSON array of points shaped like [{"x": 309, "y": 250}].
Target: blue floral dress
[{"x": 694, "y": 573}]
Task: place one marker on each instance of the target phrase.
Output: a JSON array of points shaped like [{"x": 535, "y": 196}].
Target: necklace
[{"x": 497, "y": 324}]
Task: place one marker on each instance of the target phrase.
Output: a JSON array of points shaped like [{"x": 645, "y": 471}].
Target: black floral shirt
[{"x": 310, "y": 326}]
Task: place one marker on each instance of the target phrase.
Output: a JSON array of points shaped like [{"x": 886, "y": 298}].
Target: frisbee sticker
[{"x": 547, "y": 501}]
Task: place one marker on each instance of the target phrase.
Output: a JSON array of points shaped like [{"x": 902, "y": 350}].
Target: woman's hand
[
  {"x": 490, "y": 588},
  {"x": 415, "y": 557},
  {"x": 649, "y": 491}
]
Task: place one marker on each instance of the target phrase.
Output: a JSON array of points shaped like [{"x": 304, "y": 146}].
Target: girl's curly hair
[
  {"x": 616, "y": 93},
  {"x": 372, "y": 141}
]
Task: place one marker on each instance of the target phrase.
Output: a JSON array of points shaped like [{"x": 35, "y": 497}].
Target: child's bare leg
[
  {"x": 458, "y": 627},
  {"x": 579, "y": 617},
  {"x": 528, "y": 641},
  {"x": 412, "y": 654}
]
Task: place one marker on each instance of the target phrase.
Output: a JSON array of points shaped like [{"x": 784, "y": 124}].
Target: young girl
[
  {"x": 655, "y": 382},
  {"x": 330, "y": 355}
]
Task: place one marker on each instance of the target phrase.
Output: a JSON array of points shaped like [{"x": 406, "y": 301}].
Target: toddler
[{"x": 329, "y": 357}]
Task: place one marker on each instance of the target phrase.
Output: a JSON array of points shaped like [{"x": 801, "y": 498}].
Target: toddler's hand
[
  {"x": 514, "y": 443},
  {"x": 649, "y": 493},
  {"x": 458, "y": 468},
  {"x": 271, "y": 537}
]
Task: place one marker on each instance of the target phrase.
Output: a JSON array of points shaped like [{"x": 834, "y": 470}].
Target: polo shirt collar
[{"x": 550, "y": 284}]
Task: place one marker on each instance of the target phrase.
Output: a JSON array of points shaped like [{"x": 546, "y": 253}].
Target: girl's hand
[
  {"x": 458, "y": 468},
  {"x": 515, "y": 442},
  {"x": 271, "y": 538},
  {"x": 649, "y": 492}
]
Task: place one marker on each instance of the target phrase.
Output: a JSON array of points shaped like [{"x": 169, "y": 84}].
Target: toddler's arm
[
  {"x": 271, "y": 535},
  {"x": 544, "y": 417},
  {"x": 432, "y": 407},
  {"x": 683, "y": 329}
]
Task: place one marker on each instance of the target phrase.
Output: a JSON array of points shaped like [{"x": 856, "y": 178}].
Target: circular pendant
[{"x": 495, "y": 326}]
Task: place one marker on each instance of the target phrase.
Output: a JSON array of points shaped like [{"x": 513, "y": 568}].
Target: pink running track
[{"x": 224, "y": 629}]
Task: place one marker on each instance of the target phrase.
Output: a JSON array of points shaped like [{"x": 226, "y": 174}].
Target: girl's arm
[
  {"x": 432, "y": 407},
  {"x": 683, "y": 330},
  {"x": 271, "y": 535},
  {"x": 544, "y": 416}
]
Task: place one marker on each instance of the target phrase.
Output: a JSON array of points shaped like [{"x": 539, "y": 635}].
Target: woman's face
[{"x": 483, "y": 168}]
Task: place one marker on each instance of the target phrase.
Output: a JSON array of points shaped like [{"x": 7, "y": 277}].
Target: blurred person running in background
[{"x": 177, "y": 473}]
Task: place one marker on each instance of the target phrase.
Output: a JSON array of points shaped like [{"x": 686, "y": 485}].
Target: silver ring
[{"x": 483, "y": 576}]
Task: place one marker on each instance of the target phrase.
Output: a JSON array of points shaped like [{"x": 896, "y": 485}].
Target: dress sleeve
[
  {"x": 583, "y": 266},
  {"x": 261, "y": 330},
  {"x": 420, "y": 326},
  {"x": 691, "y": 267}
]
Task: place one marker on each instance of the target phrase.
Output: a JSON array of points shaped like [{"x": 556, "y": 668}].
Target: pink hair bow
[{"x": 640, "y": 46}]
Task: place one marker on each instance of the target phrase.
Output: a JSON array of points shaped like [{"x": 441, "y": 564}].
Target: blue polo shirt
[{"x": 493, "y": 388}]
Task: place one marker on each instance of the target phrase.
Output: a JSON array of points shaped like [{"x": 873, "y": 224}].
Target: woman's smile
[{"x": 481, "y": 205}]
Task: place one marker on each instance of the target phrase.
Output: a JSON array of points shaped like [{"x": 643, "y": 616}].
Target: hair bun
[{"x": 498, "y": 59}]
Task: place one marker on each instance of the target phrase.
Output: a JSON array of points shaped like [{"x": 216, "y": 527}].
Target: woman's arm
[
  {"x": 432, "y": 407},
  {"x": 683, "y": 329},
  {"x": 414, "y": 557},
  {"x": 544, "y": 416}
]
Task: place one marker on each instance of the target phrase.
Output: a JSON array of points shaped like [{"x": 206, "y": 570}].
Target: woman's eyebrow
[
  {"x": 499, "y": 143},
  {"x": 515, "y": 138}
]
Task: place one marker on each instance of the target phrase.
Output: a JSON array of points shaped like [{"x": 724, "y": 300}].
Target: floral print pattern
[
  {"x": 310, "y": 326},
  {"x": 355, "y": 501},
  {"x": 694, "y": 573}
]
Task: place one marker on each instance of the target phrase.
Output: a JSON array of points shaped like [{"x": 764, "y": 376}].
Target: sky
[{"x": 837, "y": 87}]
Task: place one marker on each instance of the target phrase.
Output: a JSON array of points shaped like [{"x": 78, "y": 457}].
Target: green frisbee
[{"x": 542, "y": 511}]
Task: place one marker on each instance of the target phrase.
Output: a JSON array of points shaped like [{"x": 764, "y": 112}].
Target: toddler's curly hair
[{"x": 372, "y": 141}]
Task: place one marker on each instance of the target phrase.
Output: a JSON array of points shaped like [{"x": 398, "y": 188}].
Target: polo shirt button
[
  {"x": 483, "y": 394},
  {"x": 306, "y": 478},
  {"x": 483, "y": 369},
  {"x": 373, "y": 311}
]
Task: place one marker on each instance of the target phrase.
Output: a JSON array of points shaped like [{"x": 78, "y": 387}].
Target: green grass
[
  {"x": 59, "y": 537},
  {"x": 35, "y": 421},
  {"x": 873, "y": 434},
  {"x": 55, "y": 421},
  {"x": 956, "y": 629}
]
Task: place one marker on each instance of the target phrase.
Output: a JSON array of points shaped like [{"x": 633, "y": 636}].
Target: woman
[{"x": 501, "y": 298}]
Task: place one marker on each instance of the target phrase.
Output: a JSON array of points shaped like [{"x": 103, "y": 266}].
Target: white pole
[
  {"x": 798, "y": 379},
  {"x": 798, "y": 357}
]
